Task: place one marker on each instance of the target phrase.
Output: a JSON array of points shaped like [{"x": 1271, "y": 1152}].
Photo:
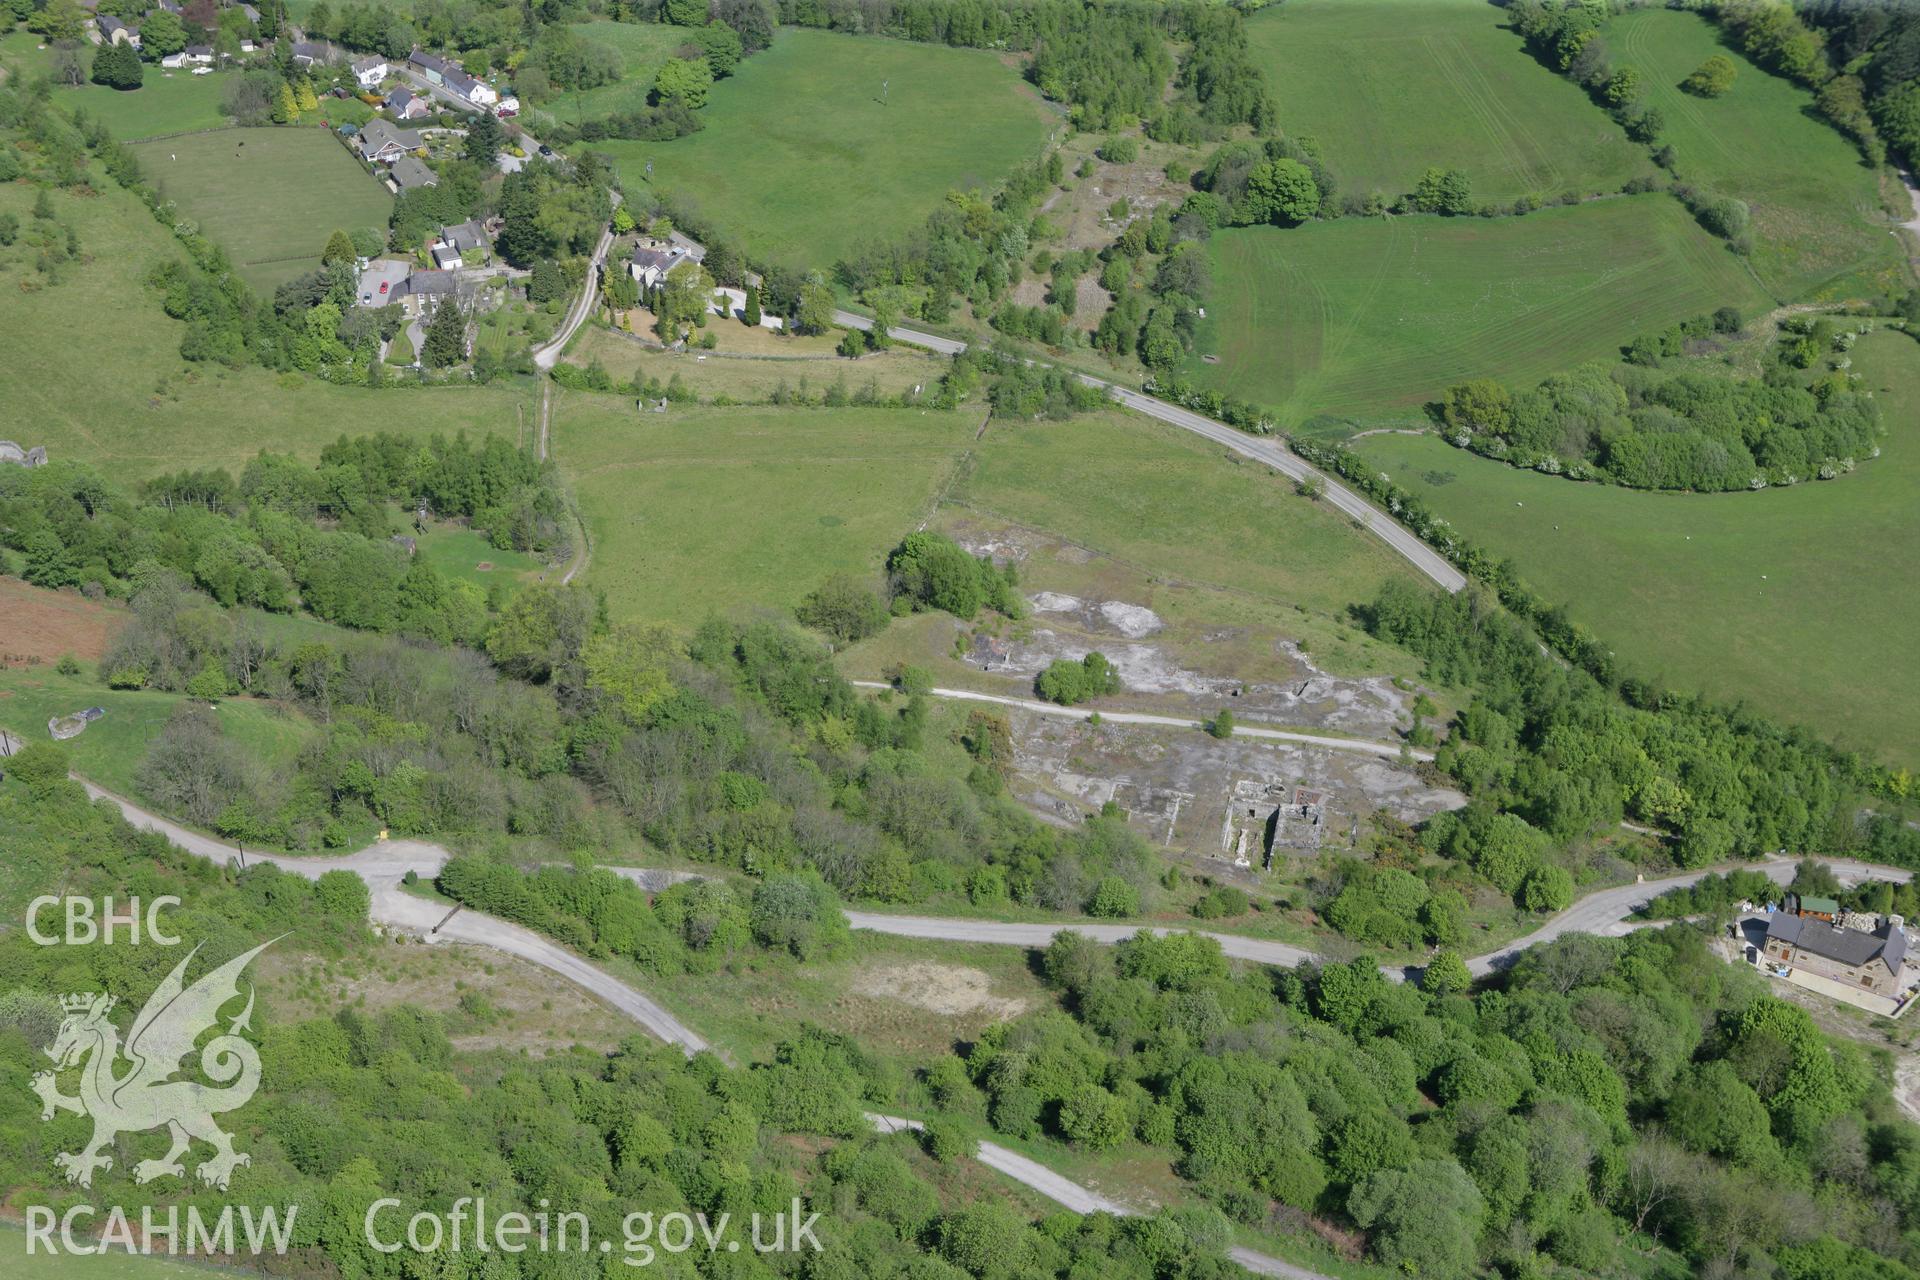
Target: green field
[
  {"x": 800, "y": 160},
  {"x": 1798, "y": 601},
  {"x": 1368, "y": 319},
  {"x": 642, "y": 47},
  {"x": 113, "y": 1266},
  {"x": 1175, "y": 505},
  {"x": 112, "y": 747},
  {"x": 1818, "y": 225},
  {"x": 94, "y": 370},
  {"x": 703, "y": 509},
  {"x": 271, "y": 197},
  {"x": 1391, "y": 87},
  {"x": 168, "y": 101}
]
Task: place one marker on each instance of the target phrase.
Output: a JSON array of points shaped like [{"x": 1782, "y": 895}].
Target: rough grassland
[
  {"x": 1368, "y": 319},
  {"x": 1177, "y": 505},
  {"x": 1799, "y": 601},
  {"x": 800, "y": 160},
  {"x": 271, "y": 197},
  {"x": 93, "y": 368},
  {"x": 702, "y": 509},
  {"x": 642, "y": 47},
  {"x": 166, "y": 102},
  {"x": 112, "y": 1266},
  {"x": 1818, "y": 227},
  {"x": 1391, "y": 87}
]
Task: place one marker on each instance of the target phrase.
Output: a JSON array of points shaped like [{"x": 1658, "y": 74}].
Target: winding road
[
  {"x": 1361, "y": 746},
  {"x": 383, "y": 866},
  {"x": 1261, "y": 449}
]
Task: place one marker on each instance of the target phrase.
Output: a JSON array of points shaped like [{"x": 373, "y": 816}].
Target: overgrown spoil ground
[
  {"x": 1797, "y": 601},
  {"x": 1389, "y": 88},
  {"x": 824, "y": 142},
  {"x": 1363, "y": 320}
]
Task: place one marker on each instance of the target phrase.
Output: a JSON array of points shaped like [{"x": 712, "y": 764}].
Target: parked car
[{"x": 546, "y": 152}]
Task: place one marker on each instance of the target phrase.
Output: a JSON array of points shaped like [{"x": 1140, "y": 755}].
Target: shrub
[
  {"x": 1068, "y": 682},
  {"x": 1113, "y": 898}
]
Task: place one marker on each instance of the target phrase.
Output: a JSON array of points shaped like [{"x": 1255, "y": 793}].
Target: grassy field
[
  {"x": 1818, "y": 226},
  {"x": 112, "y": 747},
  {"x": 1368, "y": 319},
  {"x": 113, "y": 1266},
  {"x": 167, "y": 102},
  {"x": 270, "y": 196},
  {"x": 94, "y": 370},
  {"x": 1181, "y": 506},
  {"x": 891, "y": 372},
  {"x": 800, "y": 159},
  {"x": 642, "y": 47},
  {"x": 1391, "y": 87},
  {"x": 704, "y": 509},
  {"x": 1737, "y": 594},
  {"x": 458, "y": 552}
]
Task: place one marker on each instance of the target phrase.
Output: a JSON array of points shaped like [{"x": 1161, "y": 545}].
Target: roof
[
  {"x": 431, "y": 61},
  {"x": 199, "y": 51},
  {"x": 377, "y": 134},
  {"x": 110, "y": 24},
  {"x": 1825, "y": 905},
  {"x": 409, "y": 172},
  {"x": 658, "y": 259},
  {"x": 1849, "y": 947},
  {"x": 398, "y": 100},
  {"x": 465, "y": 235},
  {"x": 308, "y": 49},
  {"x": 368, "y": 64},
  {"x": 432, "y": 283}
]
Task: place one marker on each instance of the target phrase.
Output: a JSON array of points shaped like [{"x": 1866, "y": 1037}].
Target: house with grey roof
[
  {"x": 462, "y": 244},
  {"x": 407, "y": 105},
  {"x": 431, "y": 65},
  {"x": 115, "y": 31},
  {"x": 369, "y": 72},
  {"x": 1872, "y": 960},
  {"x": 409, "y": 173},
  {"x": 309, "y": 53},
  {"x": 383, "y": 142}
]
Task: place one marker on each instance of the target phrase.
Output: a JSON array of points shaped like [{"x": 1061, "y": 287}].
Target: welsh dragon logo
[{"x": 147, "y": 1096}]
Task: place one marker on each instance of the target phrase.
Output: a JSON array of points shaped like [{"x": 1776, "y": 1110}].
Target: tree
[
  {"x": 61, "y": 22},
  {"x": 1422, "y": 1219},
  {"x": 339, "y": 249},
  {"x": 161, "y": 33},
  {"x": 446, "y": 341},
  {"x": 1548, "y": 887},
  {"x": 484, "y": 139},
  {"x": 1114, "y": 898},
  {"x": 285, "y": 109},
  {"x": 815, "y": 311},
  {"x": 685, "y": 13},
  {"x": 685, "y": 81},
  {"x": 1712, "y": 77},
  {"x": 1281, "y": 191},
  {"x": 117, "y": 66},
  {"x": 1480, "y": 405},
  {"x": 723, "y": 48},
  {"x": 1443, "y": 191},
  {"x": 844, "y": 608},
  {"x": 1445, "y": 974},
  {"x": 750, "y": 313},
  {"x": 1221, "y": 726}
]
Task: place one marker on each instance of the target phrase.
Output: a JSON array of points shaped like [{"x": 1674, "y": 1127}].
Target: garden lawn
[
  {"x": 642, "y": 47},
  {"x": 1819, "y": 229},
  {"x": 167, "y": 101},
  {"x": 271, "y": 197},
  {"x": 801, "y": 160},
  {"x": 94, "y": 369},
  {"x": 703, "y": 509},
  {"x": 1798, "y": 601},
  {"x": 1367, "y": 319},
  {"x": 1391, "y": 87},
  {"x": 1174, "y": 505}
]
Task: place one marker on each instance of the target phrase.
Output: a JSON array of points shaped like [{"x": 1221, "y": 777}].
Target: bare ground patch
[
  {"x": 37, "y": 625},
  {"x": 953, "y": 990}
]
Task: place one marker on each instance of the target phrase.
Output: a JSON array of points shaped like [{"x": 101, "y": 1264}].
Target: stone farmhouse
[{"x": 1872, "y": 960}]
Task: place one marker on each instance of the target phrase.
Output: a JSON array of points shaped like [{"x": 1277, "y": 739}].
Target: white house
[
  {"x": 457, "y": 244},
  {"x": 369, "y": 72},
  {"x": 482, "y": 94}
]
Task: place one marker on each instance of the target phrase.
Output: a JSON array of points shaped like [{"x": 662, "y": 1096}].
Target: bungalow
[
  {"x": 460, "y": 244},
  {"x": 381, "y": 142},
  {"x": 432, "y": 66},
  {"x": 407, "y": 105},
  {"x": 409, "y": 174},
  {"x": 115, "y": 31},
  {"x": 199, "y": 55},
  {"x": 309, "y": 53},
  {"x": 1870, "y": 960},
  {"x": 370, "y": 71}
]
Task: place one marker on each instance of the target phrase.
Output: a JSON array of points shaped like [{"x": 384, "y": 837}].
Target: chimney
[{"x": 1897, "y": 922}]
